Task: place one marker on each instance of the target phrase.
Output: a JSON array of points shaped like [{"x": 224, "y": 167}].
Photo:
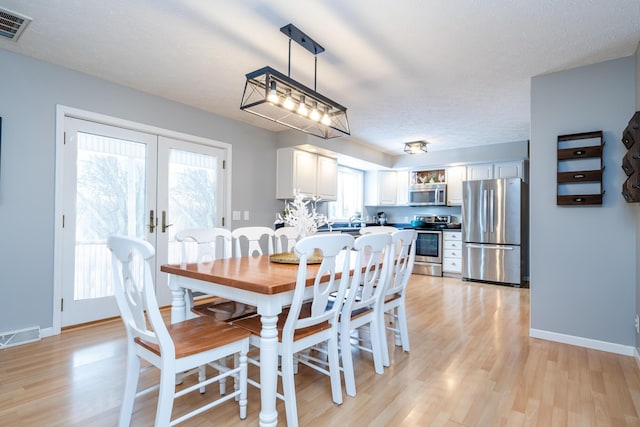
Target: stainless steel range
[{"x": 429, "y": 243}]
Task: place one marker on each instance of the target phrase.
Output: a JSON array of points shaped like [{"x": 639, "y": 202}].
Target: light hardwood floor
[{"x": 471, "y": 364}]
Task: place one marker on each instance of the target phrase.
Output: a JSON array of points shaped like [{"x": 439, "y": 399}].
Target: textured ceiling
[{"x": 456, "y": 73}]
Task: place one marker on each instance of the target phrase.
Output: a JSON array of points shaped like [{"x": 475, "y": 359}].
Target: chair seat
[
  {"x": 253, "y": 324},
  {"x": 197, "y": 335}
]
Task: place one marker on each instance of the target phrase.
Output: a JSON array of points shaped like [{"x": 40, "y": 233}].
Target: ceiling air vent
[{"x": 12, "y": 24}]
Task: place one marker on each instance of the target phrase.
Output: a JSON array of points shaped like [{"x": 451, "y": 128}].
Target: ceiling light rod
[{"x": 306, "y": 42}]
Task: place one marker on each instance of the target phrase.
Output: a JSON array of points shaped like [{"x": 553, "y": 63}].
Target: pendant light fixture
[
  {"x": 277, "y": 97},
  {"x": 415, "y": 147}
]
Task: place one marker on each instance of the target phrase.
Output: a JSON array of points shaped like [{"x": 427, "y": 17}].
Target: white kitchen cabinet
[
  {"x": 381, "y": 188},
  {"x": 455, "y": 176},
  {"x": 311, "y": 174},
  {"x": 327, "y": 178},
  {"x": 509, "y": 170},
  {"x": 513, "y": 169},
  {"x": 402, "y": 178},
  {"x": 480, "y": 171},
  {"x": 452, "y": 253}
]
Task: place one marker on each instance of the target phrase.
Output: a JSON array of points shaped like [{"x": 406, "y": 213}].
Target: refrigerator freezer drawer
[{"x": 492, "y": 263}]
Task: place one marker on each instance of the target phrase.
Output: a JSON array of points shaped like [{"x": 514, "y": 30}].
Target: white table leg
[
  {"x": 268, "y": 371},
  {"x": 178, "y": 306}
]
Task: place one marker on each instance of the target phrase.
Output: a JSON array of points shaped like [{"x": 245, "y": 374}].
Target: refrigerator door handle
[
  {"x": 484, "y": 210},
  {"x": 504, "y": 248},
  {"x": 491, "y": 211}
]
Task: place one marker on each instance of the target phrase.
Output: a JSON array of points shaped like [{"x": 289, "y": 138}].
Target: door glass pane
[
  {"x": 192, "y": 194},
  {"x": 110, "y": 200}
]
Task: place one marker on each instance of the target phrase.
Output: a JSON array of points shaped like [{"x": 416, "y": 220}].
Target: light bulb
[
  {"x": 314, "y": 114},
  {"x": 326, "y": 120},
  {"x": 273, "y": 93},
  {"x": 302, "y": 107},
  {"x": 288, "y": 102}
]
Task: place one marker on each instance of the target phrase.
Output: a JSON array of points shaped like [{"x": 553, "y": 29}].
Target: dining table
[{"x": 252, "y": 280}]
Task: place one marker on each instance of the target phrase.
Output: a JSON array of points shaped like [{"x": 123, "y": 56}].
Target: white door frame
[{"x": 65, "y": 111}]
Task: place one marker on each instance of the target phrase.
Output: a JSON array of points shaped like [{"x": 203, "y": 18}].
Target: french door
[{"x": 140, "y": 184}]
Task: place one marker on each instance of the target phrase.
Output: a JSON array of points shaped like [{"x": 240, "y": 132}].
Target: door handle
[
  {"x": 485, "y": 246},
  {"x": 152, "y": 221},
  {"x": 164, "y": 222},
  {"x": 492, "y": 210}
]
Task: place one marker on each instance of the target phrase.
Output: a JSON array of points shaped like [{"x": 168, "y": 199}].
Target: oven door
[
  {"x": 428, "y": 253},
  {"x": 429, "y": 246}
]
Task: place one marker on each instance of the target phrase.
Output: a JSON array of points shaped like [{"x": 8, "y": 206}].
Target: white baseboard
[
  {"x": 636, "y": 356},
  {"x": 46, "y": 332},
  {"x": 625, "y": 350}
]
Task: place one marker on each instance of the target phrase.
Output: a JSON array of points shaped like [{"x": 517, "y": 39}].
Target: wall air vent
[{"x": 12, "y": 24}]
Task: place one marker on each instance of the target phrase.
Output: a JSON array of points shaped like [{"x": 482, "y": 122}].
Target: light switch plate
[
  {"x": 246, "y": 215},
  {"x": 235, "y": 216}
]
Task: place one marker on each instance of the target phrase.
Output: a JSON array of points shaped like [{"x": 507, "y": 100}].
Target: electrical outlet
[
  {"x": 637, "y": 324},
  {"x": 246, "y": 215},
  {"x": 235, "y": 216}
]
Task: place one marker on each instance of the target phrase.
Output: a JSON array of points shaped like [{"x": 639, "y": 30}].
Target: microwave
[{"x": 428, "y": 194}]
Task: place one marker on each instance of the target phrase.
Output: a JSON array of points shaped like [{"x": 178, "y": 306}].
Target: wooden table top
[{"x": 255, "y": 274}]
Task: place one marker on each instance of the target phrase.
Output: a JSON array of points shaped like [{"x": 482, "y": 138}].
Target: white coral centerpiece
[{"x": 297, "y": 214}]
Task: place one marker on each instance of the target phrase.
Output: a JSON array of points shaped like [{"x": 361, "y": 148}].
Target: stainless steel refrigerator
[{"x": 494, "y": 214}]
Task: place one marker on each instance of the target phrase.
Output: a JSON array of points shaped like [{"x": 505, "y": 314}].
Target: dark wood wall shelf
[
  {"x": 631, "y": 160},
  {"x": 580, "y": 169}
]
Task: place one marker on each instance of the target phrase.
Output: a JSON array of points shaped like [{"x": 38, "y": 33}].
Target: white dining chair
[
  {"x": 252, "y": 236},
  {"x": 174, "y": 349},
  {"x": 364, "y": 303},
  {"x": 378, "y": 229},
  {"x": 287, "y": 234},
  {"x": 204, "y": 245},
  {"x": 305, "y": 325},
  {"x": 394, "y": 307}
]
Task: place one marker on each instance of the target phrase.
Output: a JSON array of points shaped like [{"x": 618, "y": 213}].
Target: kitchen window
[{"x": 350, "y": 194}]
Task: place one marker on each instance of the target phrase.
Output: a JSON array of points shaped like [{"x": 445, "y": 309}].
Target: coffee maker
[{"x": 381, "y": 219}]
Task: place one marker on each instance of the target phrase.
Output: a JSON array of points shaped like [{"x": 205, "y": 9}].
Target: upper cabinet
[
  {"x": 386, "y": 188},
  {"x": 311, "y": 174},
  {"x": 480, "y": 171},
  {"x": 455, "y": 176},
  {"x": 381, "y": 188},
  {"x": 327, "y": 178},
  {"x": 402, "y": 180},
  {"x": 514, "y": 169}
]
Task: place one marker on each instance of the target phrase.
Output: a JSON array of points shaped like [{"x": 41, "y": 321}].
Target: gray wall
[
  {"x": 637, "y": 77},
  {"x": 583, "y": 273},
  {"x": 30, "y": 91}
]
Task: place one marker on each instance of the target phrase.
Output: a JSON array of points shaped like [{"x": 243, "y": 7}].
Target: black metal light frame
[{"x": 328, "y": 121}]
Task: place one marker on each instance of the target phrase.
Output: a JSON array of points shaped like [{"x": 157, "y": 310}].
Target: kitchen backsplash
[{"x": 404, "y": 214}]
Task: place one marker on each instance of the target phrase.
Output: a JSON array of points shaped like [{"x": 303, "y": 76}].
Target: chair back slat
[
  {"x": 289, "y": 235},
  {"x": 336, "y": 251},
  {"x": 203, "y": 245},
  {"x": 253, "y": 236},
  {"x": 374, "y": 253},
  {"x": 135, "y": 292},
  {"x": 404, "y": 242}
]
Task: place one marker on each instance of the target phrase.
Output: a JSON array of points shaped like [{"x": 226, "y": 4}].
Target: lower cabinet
[{"x": 452, "y": 253}]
